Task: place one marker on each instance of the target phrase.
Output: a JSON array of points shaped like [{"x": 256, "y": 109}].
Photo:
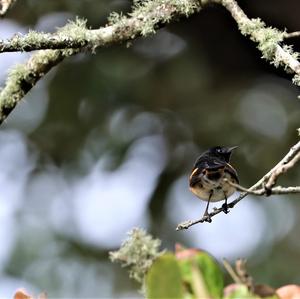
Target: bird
[{"x": 207, "y": 177}]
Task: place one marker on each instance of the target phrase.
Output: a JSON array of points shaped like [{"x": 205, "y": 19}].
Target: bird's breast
[{"x": 212, "y": 184}]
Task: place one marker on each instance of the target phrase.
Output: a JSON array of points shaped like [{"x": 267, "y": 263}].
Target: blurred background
[{"x": 106, "y": 142}]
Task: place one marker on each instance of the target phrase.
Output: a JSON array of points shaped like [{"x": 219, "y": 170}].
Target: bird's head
[{"x": 221, "y": 152}]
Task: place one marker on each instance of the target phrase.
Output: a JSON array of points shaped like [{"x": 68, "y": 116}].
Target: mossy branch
[
  {"x": 75, "y": 37},
  {"x": 269, "y": 40},
  {"x": 5, "y": 5},
  {"x": 146, "y": 17},
  {"x": 138, "y": 253}
]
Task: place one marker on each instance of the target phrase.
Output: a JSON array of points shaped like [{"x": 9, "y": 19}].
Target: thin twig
[
  {"x": 279, "y": 190},
  {"x": 292, "y": 34},
  {"x": 293, "y": 152},
  {"x": 231, "y": 272},
  {"x": 280, "y": 170},
  {"x": 241, "y": 270}
]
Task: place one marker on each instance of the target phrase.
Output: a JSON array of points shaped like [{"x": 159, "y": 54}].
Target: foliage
[
  {"x": 188, "y": 273},
  {"x": 138, "y": 252}
]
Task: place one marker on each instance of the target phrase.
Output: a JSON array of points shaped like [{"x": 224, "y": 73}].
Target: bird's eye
[{"x": 219, "y": 150}]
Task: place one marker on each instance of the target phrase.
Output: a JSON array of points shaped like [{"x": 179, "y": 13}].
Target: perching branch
[
  {"x": 258, "y": 188},
  {"x": 282, "y": 169},
  {"x": 263, "y": 191}
]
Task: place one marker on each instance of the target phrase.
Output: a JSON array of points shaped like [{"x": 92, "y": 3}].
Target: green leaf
[
  {"x": 201, "y": 273},
  {"x": 240, "y": 292},
  {"x": 212, "y": 273},
  {"x": 163, "y": 279}
]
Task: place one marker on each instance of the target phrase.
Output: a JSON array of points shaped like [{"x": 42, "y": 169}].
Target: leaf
[
  {"x": 241, "y": 291},
  {"x": 238, "y": 291},
  {"x": 163, "y": 279},
  {"x": 200, "y": 269}
]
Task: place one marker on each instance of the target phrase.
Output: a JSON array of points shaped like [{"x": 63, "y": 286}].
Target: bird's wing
[
  {"x": 203, "y": 165},
  {"x": 195, "y": 177},
  {"x": 212, "y": 164}
]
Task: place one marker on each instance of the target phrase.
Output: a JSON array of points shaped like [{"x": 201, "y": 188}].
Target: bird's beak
[{"x": 230, "y": 149}]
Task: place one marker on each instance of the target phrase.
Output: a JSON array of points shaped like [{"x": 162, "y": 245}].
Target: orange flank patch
[{"x": 194, "y": 171}]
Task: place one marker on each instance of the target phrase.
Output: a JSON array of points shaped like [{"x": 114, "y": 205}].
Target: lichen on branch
[
  {"x": 75, "y": 37},
  {"x": 137, "y": 252},
  {"x": 145, "y": 18}
]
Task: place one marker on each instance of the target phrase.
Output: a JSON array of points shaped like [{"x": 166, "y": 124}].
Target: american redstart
[{"x": 208, "y": 174}]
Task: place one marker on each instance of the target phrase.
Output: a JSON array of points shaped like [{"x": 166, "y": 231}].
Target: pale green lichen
[
  {"x": 247, "y": 27},
  {"x": 137, "y": 252},
  {"x": 150, "y": 13},
  {"x": 36, "y": 38},
  {"x": 296, "y": 80},
  {"x": 32, "y": 38},
  {"x": 266, "y": 37},
  {"x": 277, "y": 61},
  {"x": 22, "y": 77},
  {"x": 16, "y": 75},
  {"x": 115, "y": 18},
  {"x": 74, "y": 30},
  {"x": 268, "y": 40}
]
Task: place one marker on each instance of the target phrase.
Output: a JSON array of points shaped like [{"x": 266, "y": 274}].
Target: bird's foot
[
  {"x": 206, "y": 217},
  {"x": 225, "y": 207}
]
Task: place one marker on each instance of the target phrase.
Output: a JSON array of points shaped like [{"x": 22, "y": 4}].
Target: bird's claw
[
  {"x": 225, "y": 207},
  {"x": 207, "y": 218}
]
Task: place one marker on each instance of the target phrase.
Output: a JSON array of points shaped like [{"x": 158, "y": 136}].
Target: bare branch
[
  {"x": 279, "y": 190},
  {"x": 290, "y": 156},
  {"x": 231, "y": 272},
  {"x": 292, "y": 34},
  {"x": 282, "y": 169}
]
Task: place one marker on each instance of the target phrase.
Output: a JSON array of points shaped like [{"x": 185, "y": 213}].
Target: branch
[
  {"x": 146, "y": 17},
  {"x": 24, "y": 76},
  {"x": 282, "y": 169},
  {"x": 269, "y": 39},
  {"x": 5, "y": 5},
  {"x": 292, "y": 34},
  {"x": 263, "y": 191},
  {"x": 141, "y": 22},
  {"x": 290, "y": 156}
]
